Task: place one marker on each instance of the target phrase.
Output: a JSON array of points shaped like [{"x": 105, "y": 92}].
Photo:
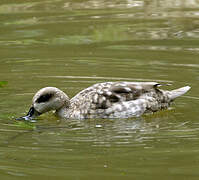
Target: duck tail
[{"x": 178, "y": 92}]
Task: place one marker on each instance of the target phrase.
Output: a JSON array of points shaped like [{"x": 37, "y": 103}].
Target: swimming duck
[{"x": 104, "y": 100}]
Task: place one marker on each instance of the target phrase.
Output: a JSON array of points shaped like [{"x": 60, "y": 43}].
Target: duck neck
[{"x": 63, "y": 111}]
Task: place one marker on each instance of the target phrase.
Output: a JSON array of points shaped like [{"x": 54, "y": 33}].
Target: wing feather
[{"x": 121, "y": 92}]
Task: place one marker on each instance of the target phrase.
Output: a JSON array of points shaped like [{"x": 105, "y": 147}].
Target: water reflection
[
  {"x": 149, "y": 20},
  {"x": 102, "y": 132},
  {"x": 57, "y": 5}
]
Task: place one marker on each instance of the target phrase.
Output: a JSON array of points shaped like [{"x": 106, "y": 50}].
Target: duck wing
[
  {"x": 101, "y": 96},
  {"x": 116, "y": 92}
]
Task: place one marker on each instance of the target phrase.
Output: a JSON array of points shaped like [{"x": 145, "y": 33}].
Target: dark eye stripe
[{"x": 44, "y": 98}]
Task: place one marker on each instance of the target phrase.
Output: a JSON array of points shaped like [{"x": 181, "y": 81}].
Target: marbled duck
[{"x": 104, "y": 100}]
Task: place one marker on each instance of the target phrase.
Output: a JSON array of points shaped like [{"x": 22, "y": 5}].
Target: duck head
[{"x": 46, "y": 99}]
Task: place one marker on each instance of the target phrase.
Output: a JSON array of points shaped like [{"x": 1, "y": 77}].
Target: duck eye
[{"x": 44, "y": 98}]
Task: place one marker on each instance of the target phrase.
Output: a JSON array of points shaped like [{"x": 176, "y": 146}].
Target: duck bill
[{"x": 32, "y": 113}]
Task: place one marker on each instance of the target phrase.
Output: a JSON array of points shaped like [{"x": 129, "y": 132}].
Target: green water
[{"x": 74, "y": 44}]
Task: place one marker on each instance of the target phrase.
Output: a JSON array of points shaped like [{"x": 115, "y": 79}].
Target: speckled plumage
[{"x": 106, "y": 100}]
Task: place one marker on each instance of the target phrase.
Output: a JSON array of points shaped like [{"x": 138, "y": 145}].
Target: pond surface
[{"x": 74, "y": 44}]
